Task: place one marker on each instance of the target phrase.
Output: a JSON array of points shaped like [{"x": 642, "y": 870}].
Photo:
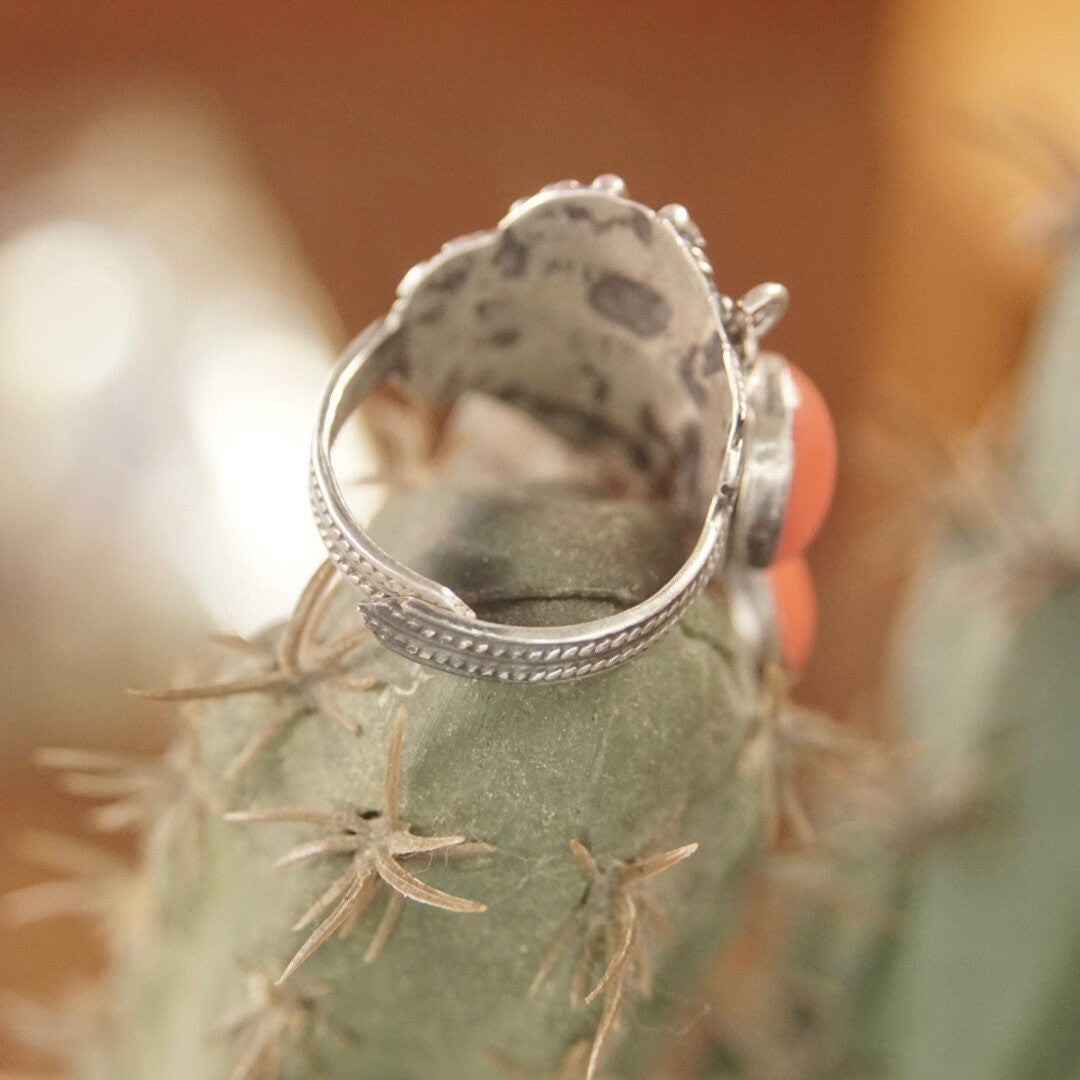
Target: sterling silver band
[{"x": 599, "y": 317}]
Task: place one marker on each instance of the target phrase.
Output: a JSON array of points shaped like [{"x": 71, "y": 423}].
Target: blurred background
[{"x": 201, "y": 202}]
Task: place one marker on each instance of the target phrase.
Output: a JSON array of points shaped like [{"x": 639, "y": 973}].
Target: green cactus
[
  {"x": 984, "y": 978},
  {"x": 944, "y": 917},
  {"x": 405, "y": 874}
]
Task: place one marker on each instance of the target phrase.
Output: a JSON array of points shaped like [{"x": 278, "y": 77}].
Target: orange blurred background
[{"x": 200, "y": 202}]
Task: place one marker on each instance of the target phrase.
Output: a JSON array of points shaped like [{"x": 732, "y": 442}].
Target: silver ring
[{"x": 599, "y": 317}]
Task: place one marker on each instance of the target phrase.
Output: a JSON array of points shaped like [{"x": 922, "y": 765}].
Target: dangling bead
[{"x": 795, "y": 609}]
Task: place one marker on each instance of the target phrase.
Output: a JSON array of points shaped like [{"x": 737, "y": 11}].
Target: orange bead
[
  {"x": 814, "y": 475},
  {"x": 795, "y": 608}
]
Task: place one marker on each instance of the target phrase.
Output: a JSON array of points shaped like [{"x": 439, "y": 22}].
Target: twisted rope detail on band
[{"x": 440, "y": 640}]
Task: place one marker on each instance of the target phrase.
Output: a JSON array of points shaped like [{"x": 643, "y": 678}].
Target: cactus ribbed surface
[{"x": 487, "y": 856}]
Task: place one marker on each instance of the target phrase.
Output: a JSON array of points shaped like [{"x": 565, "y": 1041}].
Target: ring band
[{"x": 600, "y": 318}]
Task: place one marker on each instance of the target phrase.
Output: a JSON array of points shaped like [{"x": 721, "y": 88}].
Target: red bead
[
  {"x": 795, "y": 609},
  {"x": 814, "y": 475}
]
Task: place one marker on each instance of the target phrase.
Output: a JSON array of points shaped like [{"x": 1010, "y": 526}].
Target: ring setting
[{"x": 600, "y": 318}]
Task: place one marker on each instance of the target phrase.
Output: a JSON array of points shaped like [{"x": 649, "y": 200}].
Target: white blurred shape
[
  {"x": 75, "y": 306},
  {"x": 254, "y": 374}
]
